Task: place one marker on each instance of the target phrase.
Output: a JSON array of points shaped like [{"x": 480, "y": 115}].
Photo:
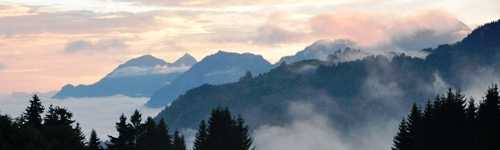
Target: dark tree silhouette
[
  {"x": 402, "y": 140},
  {"x": 59, "y": 132},
  {"x": 153, "y": 137},
  {"x": 94, "y": 142},
  {"x": 200, "y": 142},
  {"x": 488, "y": 120},
  {"x": 7, "y": 130},
  {"x": 242, "y": 137},
  {"x": 123, "y": 141},
  {"x": 163, "y": 137},
  {"x": 223, "y": 132},
  {"x": 451, "y": 123},
  {"x": 33, "y": 114},
  {"x": 178, "y": 143}
]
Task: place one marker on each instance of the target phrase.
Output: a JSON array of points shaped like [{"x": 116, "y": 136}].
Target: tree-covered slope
[{"x": 350, "y": 93}]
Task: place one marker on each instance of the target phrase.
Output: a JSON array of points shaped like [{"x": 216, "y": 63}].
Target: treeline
[
  {"x": 56, "y": 130},
  {"x": 452, "y": 122},
  {"x": 32, "y": 131}
]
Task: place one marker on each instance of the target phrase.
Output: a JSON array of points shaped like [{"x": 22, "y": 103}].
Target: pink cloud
[
  {"x": 206, "y": 2},
  {"x": 78, "y": 22},
  {"x": 412, "y": 32},
  {"x": 364, "y": 28}
]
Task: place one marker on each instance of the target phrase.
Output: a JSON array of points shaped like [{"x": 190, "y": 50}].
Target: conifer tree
[
  {"x": 413, "y": 125},
  {"x": 122, "y": 142},
  {"x": 59, "y": 131},
  {"x": 178, "y": 142},
  {"x": 163, "y": 137},
  {"x": 6, "y": 132},
  {"x": 471, "y": 111},
  {"x": 94, "y": 142},
  {"x": 402, "y": 140},
  {"x": 471, "y": 115},
  {"x": 488, "y": 119},
  {"x": 136, "y": 119},
  {"x": 220, "y": 126},
  {"x": 33, "y": 114},
  {"x": 242, "y": 137},
  {"x": 223, "y": 132},
  {"x": 200, "y": 142},
  {"x": 153, "y": 137}
]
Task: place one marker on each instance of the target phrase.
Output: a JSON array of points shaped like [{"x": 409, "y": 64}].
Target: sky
[{"x": 45, "y": 44}]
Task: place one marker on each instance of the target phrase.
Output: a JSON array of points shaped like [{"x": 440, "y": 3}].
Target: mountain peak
[
  {"x": 320, "y": 49},
  {"x": 186, "y": 60},
  {"x": 334, "y": 45},
  {"x": 222, "y": 52},
  {"x": 145, "y": 60}
]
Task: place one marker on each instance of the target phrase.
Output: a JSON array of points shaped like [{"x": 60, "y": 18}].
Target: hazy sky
[{"x": 45, "y": 44}]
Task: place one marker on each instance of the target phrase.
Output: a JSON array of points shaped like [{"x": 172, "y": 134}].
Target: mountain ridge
[
  {"x": 221, "y": 67},
  {"x": 137, "y": 77}
]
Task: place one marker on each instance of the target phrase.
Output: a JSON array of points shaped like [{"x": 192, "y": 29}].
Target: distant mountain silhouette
[
  {"x": 138, "y": 77},
  {"x": 219, "y": 68},
  {"x": 350, "y": 93},
  {"x": 319, "y": 50},
  {"x": 185, "y": 60}
]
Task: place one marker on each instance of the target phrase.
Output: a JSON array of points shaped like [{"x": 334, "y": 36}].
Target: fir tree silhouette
[
  {"x": 94, "y": 142},
  {"x": 223, "y": 132}
]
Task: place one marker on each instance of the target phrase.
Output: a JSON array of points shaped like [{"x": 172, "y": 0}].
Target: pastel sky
[{"x": 45, "y": 44}]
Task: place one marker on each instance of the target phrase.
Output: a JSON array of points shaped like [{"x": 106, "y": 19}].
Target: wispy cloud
[
  {"x": 2, "y": 67},
  {"x": 95, "y": 46},
  {"x": 76, "y": 22}
]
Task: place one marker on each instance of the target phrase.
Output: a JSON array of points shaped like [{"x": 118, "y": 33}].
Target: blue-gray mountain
[
  {"x": 219, "y": 68},
  {"x": 138, "y": 77},
  {"x": 352, "y": 93}
]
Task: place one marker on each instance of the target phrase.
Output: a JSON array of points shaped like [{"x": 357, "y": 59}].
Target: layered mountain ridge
[
  {"x": 138, "y": 77},
  {"x": 219, "y": 68}
]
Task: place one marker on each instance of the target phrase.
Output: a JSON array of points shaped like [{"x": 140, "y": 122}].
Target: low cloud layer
[
  {"x": 139, "y": 71},
  {"x": 475, "y": 86},
  {"x": 312, "y": 130},
  {"x": 100, "y": 114}
]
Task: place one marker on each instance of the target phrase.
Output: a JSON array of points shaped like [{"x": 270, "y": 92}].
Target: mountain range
[
  {"x": 219, "y": 68},
  {"x": 350, "y": 93},
  {"x": 138, "y": 77}
]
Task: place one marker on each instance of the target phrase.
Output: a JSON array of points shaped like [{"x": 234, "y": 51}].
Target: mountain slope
[
  {"x": 138, "y": 77},
  {"x": 219, "y": 68},
  {"x": 351, "y": 94}
]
